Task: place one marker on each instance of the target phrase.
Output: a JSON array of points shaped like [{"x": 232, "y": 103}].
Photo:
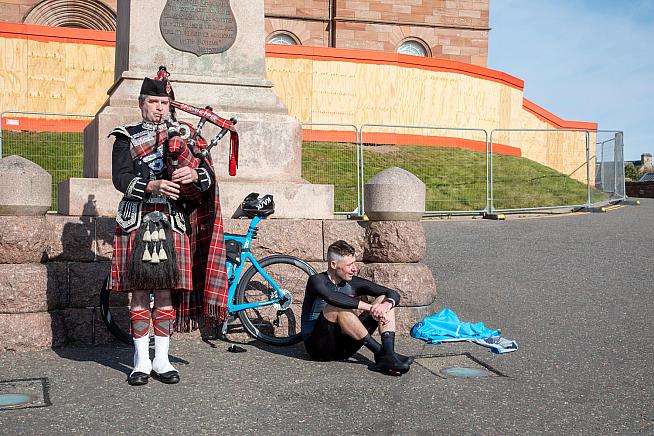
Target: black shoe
[
  {"x": 137, "y": 378},
  {"x": 406, "y": 359},
  {"x": 391, "y": 364},
  {"x": 170, "y": 377}
]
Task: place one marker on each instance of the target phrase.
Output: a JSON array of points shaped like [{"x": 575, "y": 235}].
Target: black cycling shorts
[{"x": 328, "y": 342}]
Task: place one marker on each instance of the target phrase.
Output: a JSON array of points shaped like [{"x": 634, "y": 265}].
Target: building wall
[
  {"x": 449, "y": 29},
  {"x": 15, "y": 11}
]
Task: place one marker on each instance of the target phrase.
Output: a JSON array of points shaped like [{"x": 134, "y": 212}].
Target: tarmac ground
[{"x": 575, "y": 292}]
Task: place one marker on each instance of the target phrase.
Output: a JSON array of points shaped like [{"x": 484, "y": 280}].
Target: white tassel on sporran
[
  {"x": 155, "y": 235},
  {"x": 146, "y": 254}
]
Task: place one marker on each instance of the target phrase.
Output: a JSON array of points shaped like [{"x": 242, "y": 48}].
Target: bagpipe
[{"x": 185, "y": 134}]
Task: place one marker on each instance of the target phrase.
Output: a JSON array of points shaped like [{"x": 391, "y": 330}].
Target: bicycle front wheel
[{"x": 277, "y": 323}]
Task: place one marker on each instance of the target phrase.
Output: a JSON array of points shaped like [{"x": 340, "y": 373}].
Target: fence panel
[
  {"x": 451, "y": 162},
  {"x": 562, "y": 179},
  {"x": 609, "y": 165},
  {"x": 53, "y": 141},
  {"x": 330, "y": 155}
]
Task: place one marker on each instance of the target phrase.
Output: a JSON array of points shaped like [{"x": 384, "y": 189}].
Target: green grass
[
  {"x": 455, "y": 178},
  {"x": 61, "y": 154}
]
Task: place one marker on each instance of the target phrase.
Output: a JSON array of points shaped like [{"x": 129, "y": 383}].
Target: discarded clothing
[
  {"x": 497, "y": 344},
  {"x": 445, "y": 326}
]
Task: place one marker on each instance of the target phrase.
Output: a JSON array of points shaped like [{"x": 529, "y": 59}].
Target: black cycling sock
[
  {"x": 371, "y": 344},
  {"x": 388, "y": 342}
]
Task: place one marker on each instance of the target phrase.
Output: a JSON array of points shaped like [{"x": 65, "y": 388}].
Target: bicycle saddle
[{"x": 262, "y": 207}]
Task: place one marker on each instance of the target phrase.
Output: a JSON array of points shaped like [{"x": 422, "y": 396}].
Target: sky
[{"x": 583, "y": 60}]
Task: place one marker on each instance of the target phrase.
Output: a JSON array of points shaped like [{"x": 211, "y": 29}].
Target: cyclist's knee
[{"x": 334, "y": 314}]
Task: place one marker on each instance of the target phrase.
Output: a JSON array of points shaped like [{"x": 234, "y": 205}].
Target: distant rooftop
[{"x": 647, "y": 177}]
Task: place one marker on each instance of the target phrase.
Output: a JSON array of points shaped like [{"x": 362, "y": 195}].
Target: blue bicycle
[{"x": 267, "y": 297}]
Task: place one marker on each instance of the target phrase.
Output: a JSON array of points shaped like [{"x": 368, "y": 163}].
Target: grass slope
[{"x": 455, "y": 178}]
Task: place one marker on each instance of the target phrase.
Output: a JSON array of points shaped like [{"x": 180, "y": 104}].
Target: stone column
[{"x": 233, "y": 82}]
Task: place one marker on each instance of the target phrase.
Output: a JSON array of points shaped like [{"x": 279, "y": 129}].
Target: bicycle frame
[{"x": 246, "y": 255}]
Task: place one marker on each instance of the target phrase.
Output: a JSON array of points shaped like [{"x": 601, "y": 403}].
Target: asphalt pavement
[{"x": 575, "y": 292}]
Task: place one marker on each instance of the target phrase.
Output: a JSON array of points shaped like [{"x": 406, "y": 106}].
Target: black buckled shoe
[
  {"x": 391, "y": 364},
  {"x": 170, "y": 377},
  {"x": 137, "y": 378}
]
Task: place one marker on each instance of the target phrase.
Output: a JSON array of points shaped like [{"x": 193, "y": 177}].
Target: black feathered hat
[{"x": 152, "y": 87}]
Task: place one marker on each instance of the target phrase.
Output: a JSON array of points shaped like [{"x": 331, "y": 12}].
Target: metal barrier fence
[
  {"x": 524, "y": 184},
  {"x": 465, "y": 170},
  {"x": 54, "y": 141},
  {"x": 609, "y": 164},
  {"x": 451, "y": 162},
  {"x": 331, "y": 155}
]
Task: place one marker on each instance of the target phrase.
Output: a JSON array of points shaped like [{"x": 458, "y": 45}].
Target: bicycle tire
[
  {"x": 259, "y": 322},
  {"x": 105, "y": 311}
]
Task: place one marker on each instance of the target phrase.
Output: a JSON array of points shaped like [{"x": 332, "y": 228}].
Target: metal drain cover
[
  {"x": 465, "y": 372},
  {"x": 24, "y": 393},
  {"x": 456, "y": 365},
  {"x": 13, "y": 400}
]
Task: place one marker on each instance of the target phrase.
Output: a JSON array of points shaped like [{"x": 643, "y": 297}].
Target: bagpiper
[{"x": 169, "y": 234}]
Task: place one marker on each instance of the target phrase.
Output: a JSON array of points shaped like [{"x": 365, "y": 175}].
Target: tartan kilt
[{"x": 123, "y": 247}]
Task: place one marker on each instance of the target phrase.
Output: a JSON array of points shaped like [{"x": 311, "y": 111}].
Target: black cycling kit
[{"x": 323, "y": 339}]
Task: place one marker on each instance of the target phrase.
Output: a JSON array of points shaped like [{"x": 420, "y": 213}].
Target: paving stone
[
  {"x": 352, "y": 232},
  {"x": 394, "y": 242},
  {"x": 24, "y": 288},
  {"x": 414, "y": 281},
  {"x": 300, "y": 238},
  {"x": 104, "y": 237},
  {"x": 86, "y": 279},
  {"x": 22, "y": 239},
  {"x": 31, "y": 331},
  {"x": 71, "y": 238}
]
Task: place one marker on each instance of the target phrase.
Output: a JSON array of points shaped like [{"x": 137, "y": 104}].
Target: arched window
[
  {"x": 413, "y": 47},
  {"x": 81, "y": 14},
  {"x": 283, "y": 38}
]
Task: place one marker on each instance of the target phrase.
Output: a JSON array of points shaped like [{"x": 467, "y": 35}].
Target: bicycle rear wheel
[
  {"x": 114, "y": 309},
  {"x": 275, "y": 324},
  {"x": 117, "y": 322}
]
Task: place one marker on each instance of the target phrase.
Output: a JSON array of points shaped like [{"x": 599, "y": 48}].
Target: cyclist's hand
[
  {"x": 379, "y": 310},
  {"x": 184, "y": 175},
  {"x": 163, "y": 187}
]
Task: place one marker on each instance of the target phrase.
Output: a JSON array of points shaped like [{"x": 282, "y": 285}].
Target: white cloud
[{"x": 582, "y": 60}]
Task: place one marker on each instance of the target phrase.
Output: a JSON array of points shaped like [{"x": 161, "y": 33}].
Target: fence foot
[
  {"x": 630, "y": 202},
  {"x": 494, "y": 216},
  {"x": 601, "y": 209}
]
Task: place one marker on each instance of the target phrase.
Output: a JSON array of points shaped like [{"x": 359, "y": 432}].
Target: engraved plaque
[{"x": 198, "y": 26}]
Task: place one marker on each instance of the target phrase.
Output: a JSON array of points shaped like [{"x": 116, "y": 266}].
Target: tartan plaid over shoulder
[
  {"x": 209, "y": 255},
  {"x": 208, "y": 300}
]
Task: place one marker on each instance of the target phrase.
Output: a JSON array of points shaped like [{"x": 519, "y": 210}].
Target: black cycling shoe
[
  {"x": 391, "y": 363},
  {"x": 170, "y": 377},
  {"x": 406, "y": 359},
  {"x": 137, "y": 378}
]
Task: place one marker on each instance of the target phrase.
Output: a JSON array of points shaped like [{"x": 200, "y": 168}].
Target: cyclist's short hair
[{"x": 338, "y": 250}]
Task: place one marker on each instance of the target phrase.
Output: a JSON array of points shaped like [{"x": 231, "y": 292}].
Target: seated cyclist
[{"x": 337, "y": 320}]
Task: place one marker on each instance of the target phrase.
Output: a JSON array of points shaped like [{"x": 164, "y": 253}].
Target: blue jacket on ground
[{"x": 445, "y": 327}]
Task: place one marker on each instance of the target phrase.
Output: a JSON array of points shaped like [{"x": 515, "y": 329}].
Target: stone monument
[{"x": 215, "y": 52}]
